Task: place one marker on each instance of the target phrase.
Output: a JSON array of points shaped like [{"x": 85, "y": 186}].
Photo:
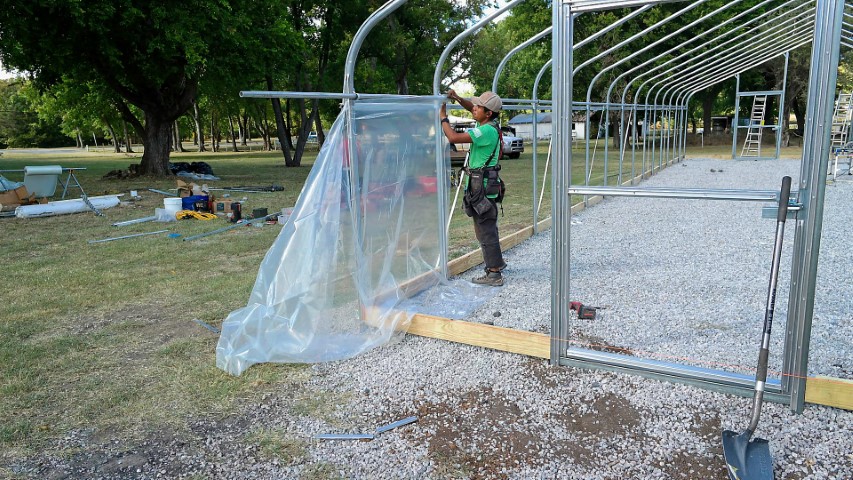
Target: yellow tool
[{"x": 185, "y": 214}]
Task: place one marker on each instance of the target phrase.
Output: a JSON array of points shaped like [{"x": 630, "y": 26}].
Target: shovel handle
[
  {"x": 783, "y": 199},
  {"x": 764, "y": 353}
]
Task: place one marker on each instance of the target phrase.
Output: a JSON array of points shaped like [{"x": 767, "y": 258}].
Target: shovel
[{"x": 745, "y": 459}]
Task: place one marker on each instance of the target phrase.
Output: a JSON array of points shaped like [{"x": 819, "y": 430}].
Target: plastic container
[
  {"x": 173, "y": 205},
  {"x": 196, "y": 203}
]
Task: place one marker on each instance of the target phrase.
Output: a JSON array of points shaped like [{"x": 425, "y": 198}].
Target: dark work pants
[{"x": 486, "y": 230}]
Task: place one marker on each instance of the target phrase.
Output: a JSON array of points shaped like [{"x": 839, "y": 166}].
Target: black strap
[{"x": 492, "y": 156}]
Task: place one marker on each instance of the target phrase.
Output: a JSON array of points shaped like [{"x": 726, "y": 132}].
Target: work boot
[
  {"x": 494, "y": 279},
  {"x": 500, "y": 269}
]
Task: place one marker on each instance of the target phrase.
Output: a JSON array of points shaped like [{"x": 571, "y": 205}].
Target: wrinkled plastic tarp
[
  {"x": 6, "y": 184},
  {"x": 362, "y": 238}
]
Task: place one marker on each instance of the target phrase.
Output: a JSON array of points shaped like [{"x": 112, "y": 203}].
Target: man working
[{"x": 480, "y": 193}]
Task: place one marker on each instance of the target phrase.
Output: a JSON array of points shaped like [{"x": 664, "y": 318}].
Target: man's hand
[
  {"x": 442, "y": 112},
  {"x": 451, "y": 94}
]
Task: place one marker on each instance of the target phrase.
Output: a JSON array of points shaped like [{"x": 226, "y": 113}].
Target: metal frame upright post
[
  {"x": 561, "y": 117},
  {"x": 812, "y": 183}
]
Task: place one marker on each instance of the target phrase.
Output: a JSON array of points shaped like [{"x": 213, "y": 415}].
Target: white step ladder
[
  {"x": 752, "y": 144},
  {"x": 841, "y": 120}
]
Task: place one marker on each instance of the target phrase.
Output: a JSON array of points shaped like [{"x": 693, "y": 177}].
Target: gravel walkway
[{"x": 681, "y": 279}]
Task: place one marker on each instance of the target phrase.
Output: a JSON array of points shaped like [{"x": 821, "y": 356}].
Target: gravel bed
[
  {"x": 686, "y": 280},
  {"x": 681, "y": 279}
]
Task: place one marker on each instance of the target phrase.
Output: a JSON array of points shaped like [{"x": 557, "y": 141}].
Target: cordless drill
[{"x": 583, "y": 312}]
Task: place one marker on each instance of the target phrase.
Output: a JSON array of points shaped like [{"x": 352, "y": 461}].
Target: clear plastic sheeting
[{"x": 362, "y": 238}]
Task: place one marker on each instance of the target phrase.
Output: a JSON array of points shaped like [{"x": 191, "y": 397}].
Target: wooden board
[
  {"x": 830, "y": 391},
  {"x": 482, "y": 335}
]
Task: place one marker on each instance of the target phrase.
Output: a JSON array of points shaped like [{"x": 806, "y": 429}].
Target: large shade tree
[{"x": 152, "y": 54}]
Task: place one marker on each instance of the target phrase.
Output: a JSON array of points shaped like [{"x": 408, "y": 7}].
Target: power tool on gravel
[{"x": 583, "y": 312}]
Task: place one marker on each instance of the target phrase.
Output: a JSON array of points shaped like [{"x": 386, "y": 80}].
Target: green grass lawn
[{"x": 101, "y": 336}]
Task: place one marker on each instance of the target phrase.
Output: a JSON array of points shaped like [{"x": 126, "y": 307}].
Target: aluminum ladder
[
  {"x": 752, "y": 144},
  {"x": 841, "y": 120}
]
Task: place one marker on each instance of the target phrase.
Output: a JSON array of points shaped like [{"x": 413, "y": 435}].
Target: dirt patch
[
  {"x": 608, "y": 415},
  {"x": 481, "y": 434},
  {"x": 478, "y": 435},
  {"x": 546, "y": 375}
]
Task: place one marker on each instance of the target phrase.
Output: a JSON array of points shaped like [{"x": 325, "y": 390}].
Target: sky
[{"x": 4, "y": 73}]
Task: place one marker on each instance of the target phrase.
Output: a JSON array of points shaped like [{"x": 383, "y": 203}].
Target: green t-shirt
[{"x": 484, "y": 143}]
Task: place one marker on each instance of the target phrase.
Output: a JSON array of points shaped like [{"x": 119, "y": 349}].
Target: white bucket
[{"x": 172, "y": 204}]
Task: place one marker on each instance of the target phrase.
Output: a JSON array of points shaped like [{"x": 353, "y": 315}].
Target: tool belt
[{"x": 483, "y": 182}]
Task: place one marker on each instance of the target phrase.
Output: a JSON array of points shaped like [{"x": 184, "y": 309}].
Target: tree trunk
[
  {"x": 280, "y": 129},
  {"x": 157, "y": 141},
  {"x": 707, "y": 107},
  {"x": 797, "y": 107},
  {"x": 263, "y": 128},
  {"x": 231, "y": 129},
  {"x": 79, "y": 140},
  {"x": 116, "y": 148},
  {"x": 179, "y": 144},
  {"x": 321, "y": 134},
  {"x": 199, "y": 133},
  {"x": 213, "y": 145},
  {"x": 127, "y": 140},
  {"x": 289, "y": 126},
  {"x": 245, "y": 134}
]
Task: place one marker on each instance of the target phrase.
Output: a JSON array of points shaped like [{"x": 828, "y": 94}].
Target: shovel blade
[{"x": 745, "y": 459}]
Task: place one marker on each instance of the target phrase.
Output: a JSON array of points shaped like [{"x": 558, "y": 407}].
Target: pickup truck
[{"x": 513, "y": 146}]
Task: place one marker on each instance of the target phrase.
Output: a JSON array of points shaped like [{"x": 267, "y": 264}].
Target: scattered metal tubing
[
  {"x": 127, "y": 236},
  {"x": 398, "y": 423},
  {"x": 207, "y": 325},
  {"x": 138, "y": 220},
  {"x": 161, "y": 192},
  {"x": 344, "y": 436},
  {"x": 230, "y": 227}
]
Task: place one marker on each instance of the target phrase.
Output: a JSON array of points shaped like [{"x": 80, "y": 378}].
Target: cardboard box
[
  {"x": 17, "y": 196},
  {"x": 222, "y": 206}
]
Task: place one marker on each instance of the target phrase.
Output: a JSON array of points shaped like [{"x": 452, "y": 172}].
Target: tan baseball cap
[{"x": 488, "y": 100}]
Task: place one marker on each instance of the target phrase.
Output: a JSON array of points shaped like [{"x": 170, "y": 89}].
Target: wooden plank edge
[
  {"x": 830, "y": 391},
  {"x": 481, "y": 335}
]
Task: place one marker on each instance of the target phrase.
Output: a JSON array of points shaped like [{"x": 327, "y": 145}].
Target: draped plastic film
[{"x": 359, "y": 242}]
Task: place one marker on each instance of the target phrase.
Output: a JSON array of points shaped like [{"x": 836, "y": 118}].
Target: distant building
[{"x": 523, "y": 125}]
